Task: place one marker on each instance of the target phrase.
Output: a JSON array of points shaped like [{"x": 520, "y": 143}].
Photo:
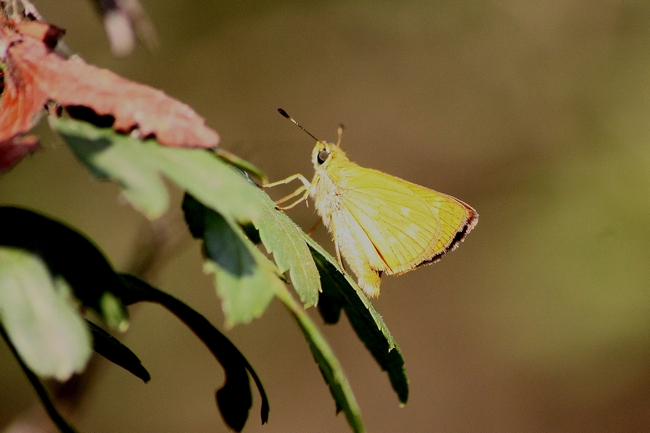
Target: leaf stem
[
  {"x": 327, "y": 361},
  {"x": 42, "y": 393}
]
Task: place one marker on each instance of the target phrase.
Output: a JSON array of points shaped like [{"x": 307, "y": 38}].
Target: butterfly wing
[
  {"x": 456, "y": 219},
  {"x": 408, "y": 225},
  {"x": 355, "y": 246}
]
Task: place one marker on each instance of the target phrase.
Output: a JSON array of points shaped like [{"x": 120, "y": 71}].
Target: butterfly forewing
[
  {"x": 398, "y": 219},
  {"x": 455, "y": 217}
]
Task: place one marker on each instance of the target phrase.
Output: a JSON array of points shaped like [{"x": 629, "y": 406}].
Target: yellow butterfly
[{"x": 380, "y": 223}]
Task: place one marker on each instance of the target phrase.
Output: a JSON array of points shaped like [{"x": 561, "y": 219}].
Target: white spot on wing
[{"x": 412, "y": 231}]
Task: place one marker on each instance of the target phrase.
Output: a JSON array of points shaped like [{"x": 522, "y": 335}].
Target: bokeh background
[{"x": 535, "y": 113}]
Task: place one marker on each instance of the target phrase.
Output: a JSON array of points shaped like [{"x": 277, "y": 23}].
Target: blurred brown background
[{"x": 535, "y": 113}]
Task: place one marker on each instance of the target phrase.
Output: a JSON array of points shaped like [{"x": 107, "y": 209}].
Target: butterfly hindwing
[{"x": 353, "y": 243}]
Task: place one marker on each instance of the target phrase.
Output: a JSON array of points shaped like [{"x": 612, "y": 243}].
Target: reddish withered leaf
[
  {"x": 133, "y": 105},
  {"x": 21, "y": 99},
  {"x": 42, "y": 31},
  {"x": 12, "y": 151},
  {"x": 35, "y": 75}
]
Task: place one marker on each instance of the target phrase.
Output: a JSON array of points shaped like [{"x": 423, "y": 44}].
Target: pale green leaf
[
  {"x": 137, "y": 165},
  {"x": 39, "y": 318},
  {"x": 119, "y": 157},
  {"x": 69, "y": 254},
  {"x": 241, "y": 164},
  {"x": 208, "y": 179},
  {"x": 284, "y": 239}
]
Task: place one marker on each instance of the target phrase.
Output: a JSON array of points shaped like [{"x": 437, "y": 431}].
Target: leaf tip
[{"x": 114, "y": 312}]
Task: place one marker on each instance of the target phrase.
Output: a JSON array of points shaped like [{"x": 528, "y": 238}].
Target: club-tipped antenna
[
  {"x": 340, "y": 132},
  {"x": 285, "y": 114}
]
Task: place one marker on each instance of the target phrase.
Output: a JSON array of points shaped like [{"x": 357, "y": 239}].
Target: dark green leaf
[
  {"x": 113, "y": 350},
  {"x": 252, "y": 233},
  {"x": 69, "y": 254},
  {"x": 327, "y": 362},
  {"x": 234, "y": 397},
  {"x": 246, "y": 280},
  {"x": 340, "y": 291}
]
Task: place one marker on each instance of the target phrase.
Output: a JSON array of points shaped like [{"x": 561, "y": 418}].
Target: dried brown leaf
[{"x": 35, "y": 75}]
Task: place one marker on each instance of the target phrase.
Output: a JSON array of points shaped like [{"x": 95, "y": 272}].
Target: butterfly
[{"x": 380, "y": 223}]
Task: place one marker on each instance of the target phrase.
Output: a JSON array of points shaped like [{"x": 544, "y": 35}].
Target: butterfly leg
[
  {"x": 304, "y": 190},
  {"x": 290, "y": 196},
  {"x": 291, "y": 178},
  {"x": 314, "y": 227}
]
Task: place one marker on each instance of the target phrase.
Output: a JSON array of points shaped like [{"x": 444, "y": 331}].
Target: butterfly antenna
[
  {"x": 285, "y": 114},
  {"x": 340, "y": 132}
]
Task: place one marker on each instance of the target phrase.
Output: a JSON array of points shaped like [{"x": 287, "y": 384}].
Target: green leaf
[
  {"x": 69, "y": 254},
  {"x": 347, "y": 286},
  {"x": 327, "y": 362},
  {"x": 37, "y": 313},
  {"x": 110, "y": 155},
  {"x": 210, "y": 180},
  {"x": 136, "y": 165},
  {"x": 284, "y": 239},
  {"x": 341, "y": 292},
  {"x": 246, "y": 280},
  {"x": 113, "y": 350},
  {"x": 236, "y": 262},
  {"x": 234, "y": 397},
  {"x": 241, "y": 164}
]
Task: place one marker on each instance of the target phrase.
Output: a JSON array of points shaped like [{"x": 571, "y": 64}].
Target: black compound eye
[{"x": 322, "y": 156}]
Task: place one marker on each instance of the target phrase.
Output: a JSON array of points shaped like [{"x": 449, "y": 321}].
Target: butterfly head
[
  {"x": 324, "y": 152},
  {"x": 321, "y": 153}
]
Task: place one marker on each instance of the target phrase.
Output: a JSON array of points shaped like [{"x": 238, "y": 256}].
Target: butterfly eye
[{"x": 322, "y": 156}]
